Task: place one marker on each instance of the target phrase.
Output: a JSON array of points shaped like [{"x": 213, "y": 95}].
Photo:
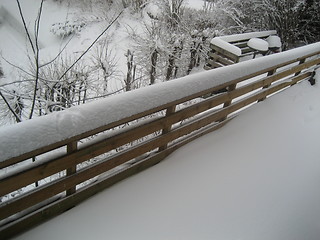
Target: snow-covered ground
[{"x": 256, "y": 178}]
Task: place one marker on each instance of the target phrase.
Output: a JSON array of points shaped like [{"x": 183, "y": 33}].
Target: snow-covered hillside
[{"x": 256, "y": 178}]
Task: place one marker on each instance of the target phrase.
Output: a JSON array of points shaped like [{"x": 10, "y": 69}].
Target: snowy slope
[{"x": 256, "y": 178}]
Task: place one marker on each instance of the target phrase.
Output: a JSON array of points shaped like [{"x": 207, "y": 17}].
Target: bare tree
[
  {"x": 131, "y": 72},
  {"x": 55, "y": 85},
  {"x": 35, "y": 49}
]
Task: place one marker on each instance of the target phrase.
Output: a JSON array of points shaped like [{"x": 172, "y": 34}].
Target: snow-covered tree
[
  {"x": 294, "y": 20},
  {"x": 309, "y": 24}
]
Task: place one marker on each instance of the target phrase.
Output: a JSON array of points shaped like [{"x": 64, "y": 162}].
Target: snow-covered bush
[
  {"x": 65, "y": 29},
  {"x": 103, "y": 66}
]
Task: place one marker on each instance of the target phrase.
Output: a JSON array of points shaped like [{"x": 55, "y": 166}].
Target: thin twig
[
  {"x": 45, "y": 64},
  {"x": 10, "y": 108},
  {"x": 37, "y": 27},
  {"x": 25, "y": 27},
  {"x": 16, "y": 66}
]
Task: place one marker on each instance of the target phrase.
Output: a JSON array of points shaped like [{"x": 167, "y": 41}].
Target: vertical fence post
[
  {"x": 297, "y": 73},
  {"x": 271, "y": 72},
  {"x": 228, "y": 103},
  {"x": 170, "y": 110},
  {"x": 71, "y": 147}
]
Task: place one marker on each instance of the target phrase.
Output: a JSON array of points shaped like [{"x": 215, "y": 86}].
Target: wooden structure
[
  {"x": 230, "y": 49},
  {"x": 165, "y": 128}
]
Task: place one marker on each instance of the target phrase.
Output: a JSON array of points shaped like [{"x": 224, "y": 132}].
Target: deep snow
[{"x": 256, "y": 178}]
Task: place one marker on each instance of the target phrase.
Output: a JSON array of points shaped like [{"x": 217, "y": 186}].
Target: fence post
[
  {"x": 271, "y": 72},
  {"x": 228, "y": 103},
  {"x": 170, "y": 110},
  {"x": 71, "y": 147},
  {"x": 297, "y": 73}
]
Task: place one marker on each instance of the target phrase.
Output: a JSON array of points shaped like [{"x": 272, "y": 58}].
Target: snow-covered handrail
[
  {"x": 167, "y": 120},
  {"x": 82, "y": 120}
]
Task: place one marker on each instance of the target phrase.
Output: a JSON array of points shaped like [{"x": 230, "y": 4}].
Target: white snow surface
[
  {"x": 217, "y": 41},
  {"x": 256, "y": 178},
  {"x": 258, "y": 44},
  {"x": 39, "y": 132},
  {"x": 196, "y": 4},
  {"x": 274, "y": 41}
]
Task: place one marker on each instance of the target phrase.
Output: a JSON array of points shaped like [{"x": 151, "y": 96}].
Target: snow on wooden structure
[
  {"x": 227, "y": 50},
  {"x": 158, "y": 119}
]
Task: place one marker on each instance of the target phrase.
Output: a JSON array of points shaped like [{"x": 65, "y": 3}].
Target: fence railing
[{"x": 156, "y": 121}]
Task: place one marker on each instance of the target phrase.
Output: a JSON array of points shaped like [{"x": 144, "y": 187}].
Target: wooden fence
[
  {"x": 159, "y": 131},
  {"x": 219, "y": 57}
]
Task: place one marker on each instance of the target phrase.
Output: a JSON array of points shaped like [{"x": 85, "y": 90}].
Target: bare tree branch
[
  {"x": 18, "y": 119},
  {"x": 25, "y": 27},
  {"x": 37, "y": 26},
  {"x": 55, "y": 58}
]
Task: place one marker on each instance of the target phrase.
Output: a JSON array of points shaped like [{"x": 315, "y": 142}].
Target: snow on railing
[{"x": 151, "y": 123}]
